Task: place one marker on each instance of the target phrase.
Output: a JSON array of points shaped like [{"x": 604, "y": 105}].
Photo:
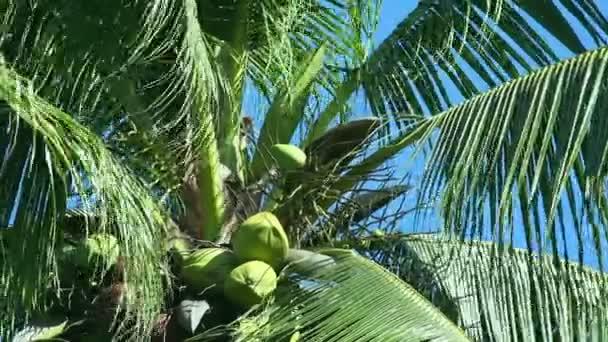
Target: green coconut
[
  {"x": 250, "y": 283},
  {"x": 208, "y": 268},
  {"x": 288, "y": 157},
  {"x": 261, "y": 237},
  {"x": 98, "y": 249},
  {"x": 377, "y": 233}
]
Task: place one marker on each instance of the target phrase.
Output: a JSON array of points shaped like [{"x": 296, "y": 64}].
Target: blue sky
[{"x": 392, "y": 13}]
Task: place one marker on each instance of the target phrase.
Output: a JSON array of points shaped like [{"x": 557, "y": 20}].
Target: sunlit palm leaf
[
  {"x": 351, "y": 300},
  {"x": 449, "y": 47},
  {"x": 37, "y": 169},
  {"x": 119, "y": 84},
  {"x": 280, "y": 32},
  {"x": 517, "y": 295},
  {"x": 286, "y": 111},
  {"x": 197, "y": 55},
  {"x": 527, "y": 161}
]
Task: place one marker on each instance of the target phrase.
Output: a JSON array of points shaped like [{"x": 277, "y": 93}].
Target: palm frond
[
  {"x": 286, "y": 112},
  {"x": 527, "y": 160},
  {"x": 281, "y": 32},
  {"x": 352, "y": 299},
  {"x": 45, "y": 151},
  {"x": 450, "y": 49},
  {"x": 516, "y": 294},
  {"x": 460, "y": 47},
  {"x": 202, "y": 91}
]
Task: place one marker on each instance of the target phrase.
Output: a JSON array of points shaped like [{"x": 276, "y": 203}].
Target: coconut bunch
[
  {"x": 221, "y": 282},
  {"x": 214, "y": 283},
  {"x": 239, "y": 278},
  {"x": 246, "y": 274}
]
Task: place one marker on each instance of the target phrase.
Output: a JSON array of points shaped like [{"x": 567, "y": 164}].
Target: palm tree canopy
[{"x": 133, "y": 127}]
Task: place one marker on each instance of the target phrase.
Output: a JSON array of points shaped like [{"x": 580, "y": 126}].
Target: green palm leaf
[
  {"x": 351, "y": 300},
  {"x": 286, "y": 112},
  {"x": 525, "y": 150},
  {"x": 44, "y": 152},
  {"x": 516, "y": 294},
  {"x": 456, "y": 48},
  {"x": 464, "y": 46}
]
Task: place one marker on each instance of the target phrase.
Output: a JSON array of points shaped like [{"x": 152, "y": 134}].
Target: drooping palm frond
[
  {"x": 45, "y": 151},
  {"x": 347, "y": 299},
  {"x": 147, "y": 84},
  {"x": 115, "y": 85},
  {"x": 527, "y": 161},
  {"x": 517, "y": 295}
]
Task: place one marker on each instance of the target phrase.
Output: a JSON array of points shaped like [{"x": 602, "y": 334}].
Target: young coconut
[
  {"x": 378, "y": 233},
  {"x": 261, "y": 237},
  {"x": 97, "y": 250},
  {"x": 250, "y": 283},
  {"x": 208, "y": 267},
  {"x": 288, "y": 157}
]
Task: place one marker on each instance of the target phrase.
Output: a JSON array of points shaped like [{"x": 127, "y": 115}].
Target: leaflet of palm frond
[
  {"x": 526, "y": 148},
  {"x": 34, "y": 199},
  {"x": 32, "y": 194},
  {"x": 42, "y": 330},
  {"x": 261, "y": 19},
  {"x": 340, "y": 142},
  {"x": 328, "y": 309},
  {"x": 276, "y": 34},
  {"x": 509, "y": 293}
]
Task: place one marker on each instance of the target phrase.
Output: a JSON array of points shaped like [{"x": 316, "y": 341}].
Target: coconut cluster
[{"x": 247, "y": 274}]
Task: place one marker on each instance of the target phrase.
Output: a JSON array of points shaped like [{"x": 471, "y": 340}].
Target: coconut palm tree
[{"x": 127, "y": 137}]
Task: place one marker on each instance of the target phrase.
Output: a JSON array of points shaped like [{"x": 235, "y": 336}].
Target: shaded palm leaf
[
  {"x": 515, "y": 294},
  {"x": 362, "y": 206},
  {"x": 341, "y": 141}
]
